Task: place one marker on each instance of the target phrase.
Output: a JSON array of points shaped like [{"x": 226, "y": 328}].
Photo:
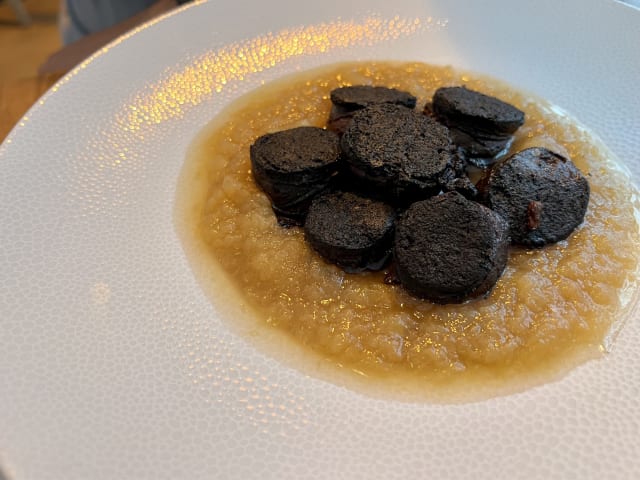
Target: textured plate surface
[{"x": 113, "y": 363}]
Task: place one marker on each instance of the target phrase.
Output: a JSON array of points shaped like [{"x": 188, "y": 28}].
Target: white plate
[{"x": 113, "y": 363}]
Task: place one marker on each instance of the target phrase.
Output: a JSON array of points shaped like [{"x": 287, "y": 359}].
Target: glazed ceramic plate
[{"x": 114, "y": 364}]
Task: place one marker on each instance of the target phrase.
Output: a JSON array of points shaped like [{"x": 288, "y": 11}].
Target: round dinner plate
[{"x": 114, "y": 363}]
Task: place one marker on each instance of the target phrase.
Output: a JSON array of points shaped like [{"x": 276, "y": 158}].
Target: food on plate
[
  {"x": 292, "y": 166},
  {"x": 351, "y": 231},
  {"x": 449, "y": 249},
  {"x": 541, "y": 194},
  {"x": 482, "y": 125},
  {"x": 552, "y": 308},
  {"x": 349, "y": 99}
]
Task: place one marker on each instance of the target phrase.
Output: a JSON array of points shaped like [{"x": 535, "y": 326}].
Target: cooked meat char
[
  {"x": 351, "y": 231},
  {"x": 347, "y": 100},
  {"x": 463, "y": 186},
  {"x": 540, "y": 193},
  {"x": 292, "y": 166},
  {"x": 458, "y": 180},
  {"x": 397, "y": 151},
  {"x": 482, "y": 125},
  {"x": 449, "y": 249}
]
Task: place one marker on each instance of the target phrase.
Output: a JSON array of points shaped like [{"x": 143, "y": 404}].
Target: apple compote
[{"x": 552, "y": 308}]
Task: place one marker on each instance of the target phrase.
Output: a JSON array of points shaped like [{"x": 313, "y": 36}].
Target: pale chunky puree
[{"x": 551, "y": 309}]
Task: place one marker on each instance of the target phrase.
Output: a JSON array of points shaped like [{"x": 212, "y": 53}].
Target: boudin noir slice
[
  {"x": 361, "y": 96},
  {"x": 350, "y": 231},
  {"x": 292, "y": 166},
  {"x": 398, "y": 151},
  {"x": 540, "y": 193},
  {"x": 480, "y": 148},
  {"x": 347, "y": 100},
  {"x": 464, "y": 107},
  {"x": 482, "y": 125},
  {"x": 449, "y": 249}
]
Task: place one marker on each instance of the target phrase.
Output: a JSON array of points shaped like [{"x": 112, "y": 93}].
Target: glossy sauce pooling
[{"x": 552, "y": 308}]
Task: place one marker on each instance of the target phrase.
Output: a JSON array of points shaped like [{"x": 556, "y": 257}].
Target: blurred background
[
  {"x": 24, "y": 47},
  {"x": 32, "y": 54}
]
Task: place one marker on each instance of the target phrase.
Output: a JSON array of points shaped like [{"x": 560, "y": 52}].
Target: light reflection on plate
[{"x": 104, "y": 330}]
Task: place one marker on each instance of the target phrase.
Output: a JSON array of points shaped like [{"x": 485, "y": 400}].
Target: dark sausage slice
[
  {"x": 292, "y": 166},
  {"x": 480, "y": 148},
  {"x": 350, "y": 231},
  {"x": 347, "y": 100},
  {"x": 449, "y": 249},
  {"x": 398, "y": 151},
  {"x": 542, "y": 195},
  {"x": 361, "y": 96},
  {"x": 477, "y": 111},
  {"x": 482, "y": 125}
]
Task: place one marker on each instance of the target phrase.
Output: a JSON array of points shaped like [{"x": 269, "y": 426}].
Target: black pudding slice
[
  {"x": 292, "y": 166},
  {"x": 361, "y": 96},
  {"x": 468, "y": 108},
  {"x": 482, "y": 125},
  {"x": 542, "y": 195},
  {"x": 347, "y": 100},
  {"x": 350, "y": 231},
  {"x": 398, "y": 152},
  {"x": 449, "y": 249}
]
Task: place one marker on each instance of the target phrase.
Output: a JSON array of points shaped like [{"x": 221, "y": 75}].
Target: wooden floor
[{"x": 23, "y": 49}]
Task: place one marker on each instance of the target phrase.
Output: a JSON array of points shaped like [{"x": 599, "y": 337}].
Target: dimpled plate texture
[{"x": 114, "y": 364}]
